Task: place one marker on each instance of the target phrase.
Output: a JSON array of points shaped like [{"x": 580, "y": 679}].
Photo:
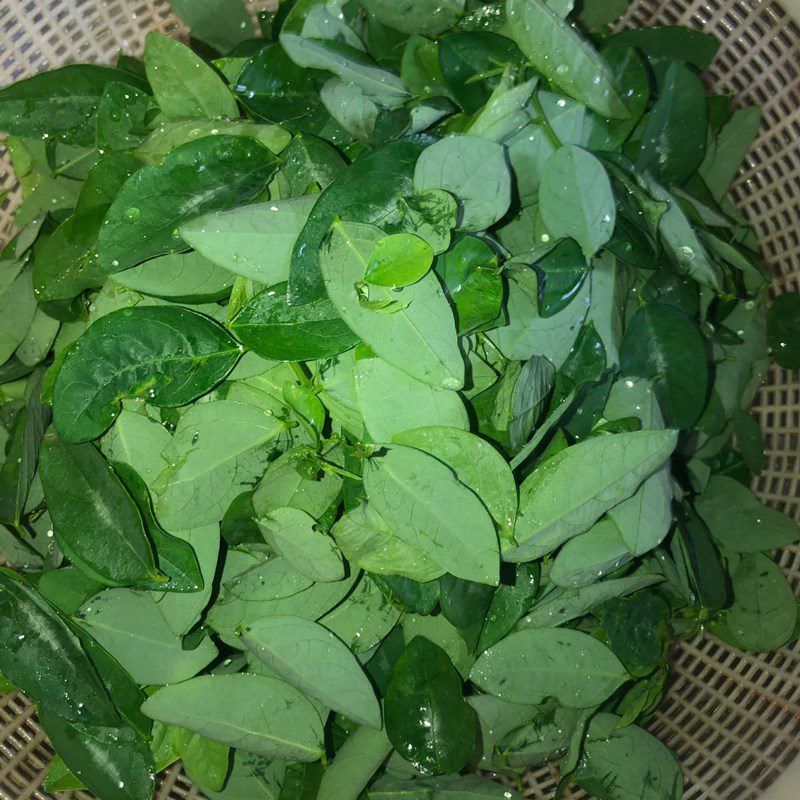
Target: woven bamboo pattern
[{"x": 733, "y": 718}]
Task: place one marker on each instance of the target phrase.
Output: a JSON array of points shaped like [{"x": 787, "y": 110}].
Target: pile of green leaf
[{"x": 374, "y": 401}]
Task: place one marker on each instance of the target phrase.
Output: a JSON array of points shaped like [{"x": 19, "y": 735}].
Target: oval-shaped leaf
[
  {"x": 95, "y": 520},
  {"x": 576, "y": 200},
  {"x": 663, "y": 344},
  {"x": 254, "y": 241},
  {"x": 276, "y": 329},
  {"x": 183, "y": 84},
  {"x": 531, "y": 665},
  {"x": 250, "y": 712},
  {"x": 315, "y": 661},
  {"x": 218, "y": 451},
  {"x": 292, "y": 534},
  {"x": 573, "y": 489},
  {"x": 476, "y": 463},
  {"x": 166, "y": 355},
  {"x": 472, "y": 169},
  {"x": 563, "y": 56},
  {"x": 398, "y": 260},
  {"x": 215, "y": 172},
  {"x": 428, "y": 720},
  {"x": 426, "y": 506}
]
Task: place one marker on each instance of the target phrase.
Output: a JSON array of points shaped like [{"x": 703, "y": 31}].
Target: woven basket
[{"x": 733, "y": 718}]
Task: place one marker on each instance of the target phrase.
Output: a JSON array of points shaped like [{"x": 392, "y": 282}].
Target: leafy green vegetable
[{"x": 399, "y": 362}]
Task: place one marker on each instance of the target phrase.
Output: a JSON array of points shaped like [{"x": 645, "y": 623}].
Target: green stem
[{"x": 541, "y": 119}]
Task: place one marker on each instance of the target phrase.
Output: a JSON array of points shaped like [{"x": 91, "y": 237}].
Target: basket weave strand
[{"x": 733, "y": 718}]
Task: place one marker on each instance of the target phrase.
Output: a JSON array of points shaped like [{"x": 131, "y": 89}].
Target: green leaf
[
  {"x": 560, "y": 606},
  {"x": 682, "y": 243},
  {"x": 183, "y": 84},
  {"x": 251, "y": 775},
  {"x": 254, "y": 241},
  {"x": 293, "y": 535},
  {"x": 749, "y": 440},
  {"x": 694, "y": 549},
  {"x": 137, "y": 440},
  {"x": 357, "y": 760},
  {"x": 589, "y": 556},
  {"x": 763, "y": 615},
  {"x": 739, "y": 522},
  {"x": 541, "y": 739},
  {"x": 253, "y": 713},
  {"x": 22, "y": 453},
  {"x": 572, "y": 667},
  {"x": 573, "y": 489},
  {"x": 662, "y": 344},
  {"x": 509, "y": 603},
  {"x": 398, "y": 260},
  {"x": 316, "y": 662},
  {"x": 220, "y": 23},
  {"x": 644, "y": 519},
  {"x": 364, "y": 619},
  {"x": 637, "y": 630},
  {"x": 425, "y": 688},
  {"x": 671, "y": 42},
  {"x": 122, "y": 115},
  {"x": 627, "y": 763},
  {"x": 175, "y": 557},
  {"x": 17, "y": 306},
  {"x": 674, "y": 136},
  {"x": 111, "y": 761},
  {"x": 471, "y": 64},
  {"x": 472, "y": 282},
  {"x": 424, "y": 504},
  {"x": 368, "y": 542},
  {"x": 96, "y": 521},
  {"x": 419, "y": 339},
  {"x": 310, "y": 162},
  {"x": 563, "y": 56},
  {"x": 167, "y": 355},
  {"x": 182, "y": 277},
  {"x": 206, "y": 763},
  {"x": 431, "y": 214},
  {"x": 783, "y": 324},
  {"x": 472, "y": 169},
  {"x": 415, "y": 16},
  {"x": 724, "y": 159},
  {"x": 380, "y": 386},
  {"x": 476, "y": 464},
  {"x": 170, "y": 135},
  {"x": 575, "y": 198},
  {"x": 274, "y": 328},
  {"x": 219, "y": 449},
  {"x": 208, "y": 174},
  {"x": 61, "y": 103},
  {"x": 48, "y": 662},
  {"x": 132, "y": 628}
]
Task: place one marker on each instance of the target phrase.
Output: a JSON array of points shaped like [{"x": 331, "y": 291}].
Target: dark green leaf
[
  {"x": 674, "y": 137},
  {"x": 662, "y": 344},
  {"x": 96, "y": 521},
  {"x": 167, "y": 355},
  {"x": 208, "y": 174},
  {"x": 221, "y": 23},
  {"x": 61, "y": 103},
  {"x": 427, "y": 719},
  {"x": 44, "y": 658},
  {"x": 273, "y": 328},
  {"x": 783, "y": 329}
]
